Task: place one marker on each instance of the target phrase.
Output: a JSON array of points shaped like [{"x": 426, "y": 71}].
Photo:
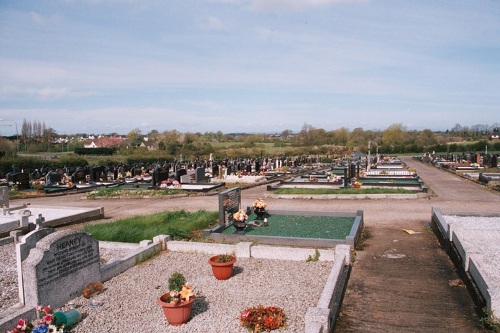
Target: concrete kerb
[{"x": 466, "y": 264}]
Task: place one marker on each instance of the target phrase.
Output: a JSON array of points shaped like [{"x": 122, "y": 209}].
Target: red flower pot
[
  {"x": 222, "y": 270},
  {"x": 176, "y": 314}
]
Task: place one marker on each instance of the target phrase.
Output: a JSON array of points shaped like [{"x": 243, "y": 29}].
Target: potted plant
[
  {"x": 259, "y": 207},
  {"x": 177, "y": 303},
  {"x": 222, "y": 266}
]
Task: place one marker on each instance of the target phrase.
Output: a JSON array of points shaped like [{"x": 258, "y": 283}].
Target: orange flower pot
[
  {"x": 222, "y": 270},
  {"x": 176, "y": 314}
]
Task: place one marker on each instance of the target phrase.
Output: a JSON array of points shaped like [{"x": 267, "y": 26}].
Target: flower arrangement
[
  {"x": 240, "y": 216},
  {"x": 46, "y": 323},
  {"x": 261, "y": 318},
  {"x": 180, "y": 292},
  {"x": 259, "y": 203}
]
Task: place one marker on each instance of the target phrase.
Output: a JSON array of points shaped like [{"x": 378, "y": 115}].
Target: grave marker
[
  {"x": 59, "y": 267},
  {"x": 4, "y": 197},
  {"x": 21, "y": 180},
  {"x": 229, "y": 203}
]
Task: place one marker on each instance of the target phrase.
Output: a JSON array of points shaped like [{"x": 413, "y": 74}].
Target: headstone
[
  {"x": 53, "y": 177},
  {"x": 23, "y": 249},
  {"x": 179, "y": 173},
  {"x": 59, "y": 267},
  {"x": 21, "y": 180},
  {"x": 4, "y": 197},
  {"x": 200, "y": 175},
  {"x": 159, "y": 175},
  {"x": 79, "y": 176},
  {"x": 185, "y": 179},
  {"x": 229, "y": 203}
]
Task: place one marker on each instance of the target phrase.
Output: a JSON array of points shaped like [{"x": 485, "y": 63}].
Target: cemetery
[
  {"x": 54, "y": 267},
  {"x": 471, "y": 241}
]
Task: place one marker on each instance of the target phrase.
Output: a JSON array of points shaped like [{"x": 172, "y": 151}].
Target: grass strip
[
  {"x": 117, "y": 192},
  {"x": 178, "y": 224}
]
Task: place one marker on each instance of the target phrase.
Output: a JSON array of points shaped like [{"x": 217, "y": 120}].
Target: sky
[{"x": 254, "y": 66}]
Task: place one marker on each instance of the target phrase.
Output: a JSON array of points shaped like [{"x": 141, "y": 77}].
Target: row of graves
[
  {"x": 381, "y": 172},
  {"x": 469, "y": 165},
  {"x": 464, "y": 161}
]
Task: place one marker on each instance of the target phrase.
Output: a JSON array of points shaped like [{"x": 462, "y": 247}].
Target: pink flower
[
  {"x": 47, "y": 318},
  {"x": 245, "y": 314},
  {"x": 21, "y": 324}
]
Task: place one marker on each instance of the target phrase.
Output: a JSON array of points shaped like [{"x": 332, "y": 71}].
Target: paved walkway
[{"x": 399, "y": 282}]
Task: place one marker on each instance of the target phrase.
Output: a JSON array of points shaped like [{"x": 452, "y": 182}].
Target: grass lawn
[
  {"x": 119, "y": 192},
  {"x": 178, "y": 224},
  {"x": 327, "y": 227}
]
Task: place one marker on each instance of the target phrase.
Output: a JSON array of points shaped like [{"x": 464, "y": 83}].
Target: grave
[
  {"x": 21, "y": 181},
  {"x": 79, "y": 176},
  {"x": 200, "y": 175},
  {"x": 4, "y": 197},
  {"x": 229, "y": 203},
  {"x": 53, "y": 177},
  {"x": 59, "y": 266},
  {"x": 160, "y": 174}
]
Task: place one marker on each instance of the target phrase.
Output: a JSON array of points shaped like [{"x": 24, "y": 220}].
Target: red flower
[
  {"x": 47, "y": 319},
  {"x": 245, "y": 314},
  {"x": 21, "y": 324}
]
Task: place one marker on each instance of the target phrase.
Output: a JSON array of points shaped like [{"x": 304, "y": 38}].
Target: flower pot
[
  {"x": 176, "y": 314},
  {"x": 222, "y": 270},
  {"x": 260, "y": 213}
]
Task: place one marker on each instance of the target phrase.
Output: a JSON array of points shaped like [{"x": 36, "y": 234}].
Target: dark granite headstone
[
  {"x": 229, "y": 203},
  {"x": 21, "y": 180},
  {"x": 200, "y": 175},
  {"x": 52, "y": 178},
  {"x": 79, "y": 176}
]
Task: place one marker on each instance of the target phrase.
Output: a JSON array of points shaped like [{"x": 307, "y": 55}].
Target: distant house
[
  {"x": 495, "y": 137},
  {"x": 105, "y": 142},
  {"x": 148, "y": 144}
]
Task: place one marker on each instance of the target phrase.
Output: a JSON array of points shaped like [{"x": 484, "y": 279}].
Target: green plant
[
  {"x": 488, "y": 321},
  {"x": 179, "y": 291},
  {"x": 314, "y": 258},
  {"x": 176, "y": 281},
  {"x": 224, "y": 258}
]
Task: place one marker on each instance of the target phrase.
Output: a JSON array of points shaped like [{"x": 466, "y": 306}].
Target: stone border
[
  {"x": 467, "y": 268},
  {"x": 352, "y": 239}
]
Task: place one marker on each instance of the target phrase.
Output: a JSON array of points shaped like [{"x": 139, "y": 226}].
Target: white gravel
[{"x": 129, "y": 299}]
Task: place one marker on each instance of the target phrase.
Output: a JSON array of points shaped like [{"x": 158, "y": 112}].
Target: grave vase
[
  {"x": 259, "y": 212},
  {"x": 176, "y": 314}
]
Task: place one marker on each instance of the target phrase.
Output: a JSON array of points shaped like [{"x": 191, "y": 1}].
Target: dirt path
[{"x": 399, "y": 282}]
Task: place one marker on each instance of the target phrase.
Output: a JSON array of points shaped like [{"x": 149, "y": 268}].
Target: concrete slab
[{"x": 53, "y": 216}]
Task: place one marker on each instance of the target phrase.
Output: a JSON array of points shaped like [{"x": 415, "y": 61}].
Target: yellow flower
[{"x": 186, "y": 292}]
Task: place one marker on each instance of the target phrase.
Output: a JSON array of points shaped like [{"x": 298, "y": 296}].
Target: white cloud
[
  {"x": 214, "y": 23},
  {"x": 295, "y": 5}
]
